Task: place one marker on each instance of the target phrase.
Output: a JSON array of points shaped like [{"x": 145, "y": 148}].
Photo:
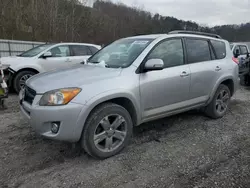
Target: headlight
[{"x": 59, "y": 97}]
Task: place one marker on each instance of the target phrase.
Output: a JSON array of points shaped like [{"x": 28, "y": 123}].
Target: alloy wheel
[
  {"x": 222, "y": 101},
  {"x": 23, "y": 79},
  {"x": 110, "y": 133}
]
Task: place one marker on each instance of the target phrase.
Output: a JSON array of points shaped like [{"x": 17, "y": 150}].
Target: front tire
[
  {"x": 107, "y": 131},
  {"x": 219, "y": 105},
  {"x": 20, "y": 79}
]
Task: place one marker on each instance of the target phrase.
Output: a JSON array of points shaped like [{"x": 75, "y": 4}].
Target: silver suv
[{"x": 129, "y": 82}]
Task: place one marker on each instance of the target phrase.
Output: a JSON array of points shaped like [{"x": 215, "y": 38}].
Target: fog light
[{"x": 55, "y": 127}]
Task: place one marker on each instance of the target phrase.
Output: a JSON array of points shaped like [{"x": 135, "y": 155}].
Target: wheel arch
[
  {"x": 123, "y": 100},
  {"x": 20, "y": 70},
  {"x": 228, "y": 81}
]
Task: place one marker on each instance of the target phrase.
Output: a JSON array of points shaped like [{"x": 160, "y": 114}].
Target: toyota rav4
[{"x": 99, "y": 102}]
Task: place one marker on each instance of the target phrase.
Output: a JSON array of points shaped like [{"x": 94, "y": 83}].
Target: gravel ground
[{"x": 187, "y": 150}]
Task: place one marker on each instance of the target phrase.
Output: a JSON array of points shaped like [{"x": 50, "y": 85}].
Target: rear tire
[
  {"x": 219, "y": 105},
  {"x": 107, "y": 131},
  {"x": 20, "y": 79}
]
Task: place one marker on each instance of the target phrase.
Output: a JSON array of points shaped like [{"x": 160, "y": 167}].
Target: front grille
[{"x": 29, "y": 95}]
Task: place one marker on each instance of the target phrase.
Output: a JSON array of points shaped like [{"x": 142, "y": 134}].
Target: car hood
[
  {"x": 76, "y": 76},
  {"x": 12, "y": 60}
]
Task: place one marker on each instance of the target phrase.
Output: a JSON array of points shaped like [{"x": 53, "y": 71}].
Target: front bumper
[
  {"x": 41, "y": 118},
  {"x": 8, "y": 75}
]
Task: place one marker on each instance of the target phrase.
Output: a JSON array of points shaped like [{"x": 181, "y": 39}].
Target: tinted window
[
  {"x": 93, "y": 49},
  {"x": 80, "y": 50},
  {"x": 243, "y": 50},
  {"x": 60, "y": 51},
  {"x": 170, "y": 51},
  {"x": 197, "y": 50},
  {"x": 236, "y": 48},
  {"x": 220, "y": 49}
]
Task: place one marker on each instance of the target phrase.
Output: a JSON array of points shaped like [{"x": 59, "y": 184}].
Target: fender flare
[
  {"x": 99, "y": 99},
  {"x": 221, "y": 80},
  {"x": 15, "y": 72}
]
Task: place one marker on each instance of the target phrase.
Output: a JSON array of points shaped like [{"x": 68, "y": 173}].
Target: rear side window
[
  {"x": 197, "y": 50},
  {"x": 219, "y": 48},
  {"x": 80, "y": 50},
  {"x": 93, "y": 49},
  {"x": 243, "y": 50}
]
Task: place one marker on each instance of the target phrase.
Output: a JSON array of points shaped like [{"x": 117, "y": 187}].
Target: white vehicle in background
[{"x": 45, "y": 58}]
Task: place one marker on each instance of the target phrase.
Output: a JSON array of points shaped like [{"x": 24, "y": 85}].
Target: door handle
[
  {"x": 184, "y": 74},
  {"x": 217, "y": 68}
]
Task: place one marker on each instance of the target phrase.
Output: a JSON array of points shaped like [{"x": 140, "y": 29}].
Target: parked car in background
[
  {"x": 241, "y": 52},
  {"x": 44, "y": 58},
  {"x": 98, "y": 103}
]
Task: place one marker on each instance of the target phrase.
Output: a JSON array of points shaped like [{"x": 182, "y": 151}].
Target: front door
[
  {"x": 60, "y": 58},
  {"x": 165, "y": 90}
]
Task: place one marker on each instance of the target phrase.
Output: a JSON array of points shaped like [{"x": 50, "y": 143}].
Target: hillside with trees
[{"x": 70, "y": 20}]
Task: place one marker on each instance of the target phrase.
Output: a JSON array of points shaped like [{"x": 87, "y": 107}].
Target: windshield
[
  {"x": 35, "y": 51},
  {"x": 121, "y": 53}
]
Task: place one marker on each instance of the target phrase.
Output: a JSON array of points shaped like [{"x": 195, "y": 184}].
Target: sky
[{"x": 207, "y": 12}]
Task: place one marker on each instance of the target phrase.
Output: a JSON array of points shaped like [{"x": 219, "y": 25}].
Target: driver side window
[
  {"x": 60, "y": 51},
  {"x": 170, "y": 52}
]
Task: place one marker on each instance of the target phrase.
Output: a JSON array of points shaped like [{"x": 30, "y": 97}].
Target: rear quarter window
[{"x": 219, "y": 48}]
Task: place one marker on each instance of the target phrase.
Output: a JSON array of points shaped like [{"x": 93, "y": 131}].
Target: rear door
[
  {"x": 205, "y": 69},
  {"x": 79, "y": 53},
  {"x": 59, "y": 59}
]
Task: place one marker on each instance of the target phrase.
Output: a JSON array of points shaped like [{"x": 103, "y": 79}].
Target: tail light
[{"x": 235, "y": 60}]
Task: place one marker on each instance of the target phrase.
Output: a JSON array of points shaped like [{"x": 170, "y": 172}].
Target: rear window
[
  {"x": 197, "y": 50},
  {"x": 220, "y": 49}
]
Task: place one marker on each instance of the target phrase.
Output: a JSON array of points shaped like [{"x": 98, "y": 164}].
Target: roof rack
[{"x": 195, "y": 33}]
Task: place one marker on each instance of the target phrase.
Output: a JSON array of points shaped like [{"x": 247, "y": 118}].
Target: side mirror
[
  {"x": 47, "y": 54},
  {"x": 237, "y": 53},
  {"x": 154, "y": 64},
  {"x": 84, "y": 61}
]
